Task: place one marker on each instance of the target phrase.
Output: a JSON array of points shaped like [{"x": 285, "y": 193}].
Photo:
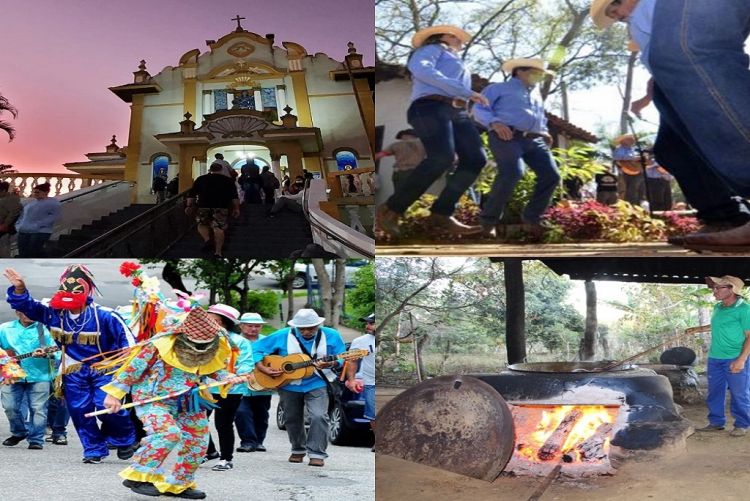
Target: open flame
[{"x": 568, "y": 433}]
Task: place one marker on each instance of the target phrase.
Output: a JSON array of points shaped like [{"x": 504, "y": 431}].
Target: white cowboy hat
[
  {"x": 727, "y": 280},
  {"x": 511, "y": 64},
  {"x": 225, "y": 311},
  {"x": 306, "y": 318},
  {"x": 251, "y": 318},
  {"x": 598, "y": 13},
  {"x": 442, "y": 29}
]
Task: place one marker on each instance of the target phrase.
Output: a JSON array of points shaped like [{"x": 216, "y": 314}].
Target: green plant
[{"x": 265, "y": 303}]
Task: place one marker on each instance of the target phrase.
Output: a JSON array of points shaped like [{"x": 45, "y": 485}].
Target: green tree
[{"x": 361, "y": 299}]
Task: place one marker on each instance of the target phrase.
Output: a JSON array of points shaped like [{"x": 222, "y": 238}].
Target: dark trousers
[
  {"x": 704, "y": 190},
  {"x": 269, "y": 193},
  {"x": 224, "y": 422},
  {"x": 445, "y": 132},
  {"x": 635, "y": 188},
  {"x": 660, "y": 192},
  {"x": 252, "y": 420},
  {"x": 32, "y": 244},
  {"x": 58, "y": 417}
]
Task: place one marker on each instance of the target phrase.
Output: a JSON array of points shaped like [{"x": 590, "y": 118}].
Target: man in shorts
[{"x": 214, "y": 195}]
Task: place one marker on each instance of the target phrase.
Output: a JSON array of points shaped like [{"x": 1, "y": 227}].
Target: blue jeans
[
  {"x": 369, "y": 394},
  {"x": 675, "y": 150},
  {"x": 37, "y": 394},
  {"x": 508, "y": 156},
  {"x": 698, "y": 60},
  {"x": 251, "y": 420},
  {"x": 445, "y": 132},
  {"x": 32, "y": 244},
  {"x": 719, "y": 379},
  {"x": 58, "y": 417}
]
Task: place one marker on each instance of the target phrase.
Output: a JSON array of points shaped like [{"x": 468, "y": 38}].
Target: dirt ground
[{"x": 713, "y": 467}]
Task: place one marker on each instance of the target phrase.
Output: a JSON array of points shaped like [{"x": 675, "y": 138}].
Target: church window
[
  {"x": 346, "y": 159},
  {"x": 220, "y": 100},
  {"x": 160, "y": 165}
]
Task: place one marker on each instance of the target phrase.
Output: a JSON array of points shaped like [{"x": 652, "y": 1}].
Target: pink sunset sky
[{"x": 59, "y": 59}]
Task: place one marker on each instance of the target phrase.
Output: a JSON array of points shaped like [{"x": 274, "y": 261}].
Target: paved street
[{"x": 57, "y": 473}]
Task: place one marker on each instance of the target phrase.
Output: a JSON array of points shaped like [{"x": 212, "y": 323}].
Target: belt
[
  {"x": 523, "y": 133},
  {"x": 456, "y": 102}
]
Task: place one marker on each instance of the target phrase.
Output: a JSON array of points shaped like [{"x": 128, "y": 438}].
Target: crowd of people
[{"x": 69, "y": 356}]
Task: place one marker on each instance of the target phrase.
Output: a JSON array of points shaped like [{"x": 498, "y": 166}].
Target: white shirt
[{"x": 367, "y": 366}]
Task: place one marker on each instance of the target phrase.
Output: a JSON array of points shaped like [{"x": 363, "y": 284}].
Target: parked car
[
  {"x": 305, "y": 273},
  {"x": 347, "y": 425}
]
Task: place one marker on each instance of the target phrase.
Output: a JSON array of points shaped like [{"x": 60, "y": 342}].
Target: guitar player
[
  {"x": 20, "y": 337},
  {"x": 305, "y": 335}
]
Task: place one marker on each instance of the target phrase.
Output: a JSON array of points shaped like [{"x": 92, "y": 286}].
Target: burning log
[
  {"x": 592, "y": 449},
  {"x": 553, "y": 445}
]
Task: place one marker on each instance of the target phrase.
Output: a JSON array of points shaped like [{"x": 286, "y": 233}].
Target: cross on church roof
[{"x": 238, "y": 19}]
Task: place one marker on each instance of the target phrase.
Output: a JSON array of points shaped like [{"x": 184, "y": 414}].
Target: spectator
[
  {"x": 291, "y": 201},
  {"x": 659, "y": 183},
  {"x": 251, "y": 183},
  {"x": 216, "y": 196},
  {"x": 228, "y": 318},
  {"x": 270, "y": 184},
  {"x": 408, "y": 153},
  {"x": 361, "y": 377},
  {"x": 10, "y": 209},
  {"x": 159, "y": 187},
  {"x": 37, "y": 221},
  {"x": 173, "y": 186},
  {"x": 252, "y": 415},
  {"x": 226, "y": 168}
]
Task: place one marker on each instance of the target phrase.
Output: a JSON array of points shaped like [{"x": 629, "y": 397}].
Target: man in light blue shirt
[
  {"x": 37, "y": 221},
  {"x": 694, "y": 50},
  {"x": 517, "y": 128},
  {"x": 24, "y": 336},
  {"x": 305, "y": 335}
]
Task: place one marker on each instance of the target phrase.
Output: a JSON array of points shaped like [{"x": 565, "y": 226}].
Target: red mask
[{"x": 76, "y": 286}]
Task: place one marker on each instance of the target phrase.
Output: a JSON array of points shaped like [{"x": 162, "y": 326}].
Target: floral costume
[
  {"x": 10, "y": 370},
  {"x": 153, "y": 369}
]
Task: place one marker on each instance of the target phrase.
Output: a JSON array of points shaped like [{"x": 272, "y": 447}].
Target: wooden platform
[{"x": 531, "y": 250}]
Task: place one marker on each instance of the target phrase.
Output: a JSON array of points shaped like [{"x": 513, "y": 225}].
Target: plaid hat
[
  {"x": 251, "y": 318},
  {"x": 735, "y": 283},
  {"x": 198, "y": 327}
]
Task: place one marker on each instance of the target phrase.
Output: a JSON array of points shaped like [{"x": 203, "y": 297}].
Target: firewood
[
  {"x": 592, "y": 449},
  {"x": 554, "y": 442}
]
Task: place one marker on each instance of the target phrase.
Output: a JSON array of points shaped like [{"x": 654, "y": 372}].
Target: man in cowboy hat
[
  {"x": 699, "y": 139},
  {"x": 304, "y": 335},
  {"x": 361, "y": 377},
  {"x": 441, "y": 89},
  {"x": 408, "y": 152},
  {"x": 630, "y": 169},
  {"x": 517, "y": 128},
  {"x": 252, "y": 415},
  {"x": 728, "y": 356},
  {"x": 182, "y": 358},
  {"x": 84, "y": 331}
]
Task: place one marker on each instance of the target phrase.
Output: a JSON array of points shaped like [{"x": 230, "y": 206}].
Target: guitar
[
  {"x": 630, "y": 167},
  {"x": 45, "y": 351},
  {"x": 295, "y": 366}
]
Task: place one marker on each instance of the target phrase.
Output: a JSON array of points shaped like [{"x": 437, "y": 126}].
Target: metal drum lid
[{"x": 456, "y": 423}]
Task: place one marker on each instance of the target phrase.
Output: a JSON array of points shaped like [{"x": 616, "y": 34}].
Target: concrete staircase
[
  {"x": 76, "y": 238},
  {"x": 253, "y": 235}
]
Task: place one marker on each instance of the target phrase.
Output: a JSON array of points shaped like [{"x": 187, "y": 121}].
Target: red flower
[
  {"x": 129, "y": 269},
  {"x": 137, "y": 282}
]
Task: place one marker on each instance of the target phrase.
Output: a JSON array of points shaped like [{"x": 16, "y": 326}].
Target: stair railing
[{"x": 149, "y": 234}]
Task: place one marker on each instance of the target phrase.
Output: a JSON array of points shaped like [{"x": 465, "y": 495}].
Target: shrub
[{"x": 265, "y": 303}]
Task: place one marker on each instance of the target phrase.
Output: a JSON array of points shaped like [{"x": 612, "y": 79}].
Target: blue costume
[{"x": 97, "y": 329}]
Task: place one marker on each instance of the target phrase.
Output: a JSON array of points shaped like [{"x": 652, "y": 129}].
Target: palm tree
[{"x": 6, "y": 126}]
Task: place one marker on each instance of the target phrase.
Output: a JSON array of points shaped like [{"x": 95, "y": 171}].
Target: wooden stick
[
  {"x": 637, "y": 355},
  {"x": 245, "y": 377}
]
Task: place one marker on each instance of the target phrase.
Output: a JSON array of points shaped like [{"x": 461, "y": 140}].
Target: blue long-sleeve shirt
[
  {"x": 22, "y": 340},
  {"x": 437, "y": 70},
  {"x": 242, "y": 365},
  {"x": 39, "y": 216},
  {"x": 97, "y": 329},
  {"x": 624, "y": 153},
  {"x": 276, "y": 343},
  {"x": 512, "y": 104},
  {"x": 640, "y": 26}
]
